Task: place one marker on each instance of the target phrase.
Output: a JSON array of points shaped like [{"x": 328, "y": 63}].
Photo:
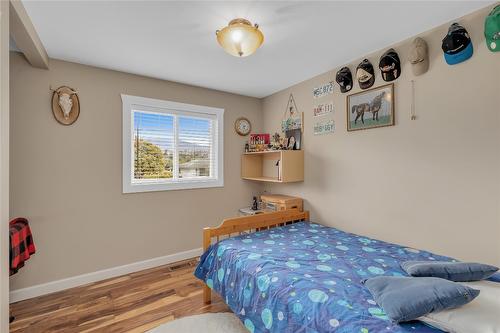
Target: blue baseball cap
[
  {"x": 453, "y": 59},
  {"x": 457, "y": 45}
]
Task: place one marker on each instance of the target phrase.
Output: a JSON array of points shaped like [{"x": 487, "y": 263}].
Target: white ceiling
[{"x": 175, "y": 40}]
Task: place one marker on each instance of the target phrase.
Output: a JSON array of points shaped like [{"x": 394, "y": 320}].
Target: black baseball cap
[
  {"x": 389, "y": 65},
  {"x": 344, "y": 79},
  {"x": 457, "y": 45},
  {"x": 365, "y": 74}
]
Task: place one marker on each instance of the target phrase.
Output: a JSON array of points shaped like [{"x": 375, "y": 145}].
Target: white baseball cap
[{"x": 419, "y": 57}]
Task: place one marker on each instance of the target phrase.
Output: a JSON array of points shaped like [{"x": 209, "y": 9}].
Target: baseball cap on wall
[
  {"x": 492, "y": 29},
  {"x": 419, "y": 57},
  {"x": 344, "y": 79},
  {"x": 457, "y": 45},
  {"x": 389, "y": 65},
  {"x": 365, "y": 74}
]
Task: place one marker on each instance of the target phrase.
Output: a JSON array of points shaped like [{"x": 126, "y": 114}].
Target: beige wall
[
  {"x": 67, "y": 180},
  {"x": 4, "y": 166},
  {"x": 432, "y": 183}
]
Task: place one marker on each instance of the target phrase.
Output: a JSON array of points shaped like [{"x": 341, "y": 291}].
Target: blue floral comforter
[{"x": 306, "y": 278}]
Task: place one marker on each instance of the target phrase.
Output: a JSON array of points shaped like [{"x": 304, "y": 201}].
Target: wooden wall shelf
[{"x": 261, "y": 166}]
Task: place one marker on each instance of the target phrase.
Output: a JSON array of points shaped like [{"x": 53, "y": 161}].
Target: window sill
[{"x": 171, "y": 186}]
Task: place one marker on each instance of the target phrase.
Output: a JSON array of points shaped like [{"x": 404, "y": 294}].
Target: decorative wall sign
[
  {"x": 292, "y": 119},
  {"x": 65, "y": 105},
  {"x": 264, "y": 138},
  {"x": 322, "y": 109},
  {"x": 371, "y": 108},
  {"x": 324, "y": 127},
  {"x": 323, "y": 90}
]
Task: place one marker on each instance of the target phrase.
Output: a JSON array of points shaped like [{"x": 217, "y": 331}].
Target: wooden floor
[{"x": 135, "y": 302}]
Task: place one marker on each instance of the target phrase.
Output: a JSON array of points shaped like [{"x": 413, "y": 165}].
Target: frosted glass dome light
[{"x": 240, "y": 38}]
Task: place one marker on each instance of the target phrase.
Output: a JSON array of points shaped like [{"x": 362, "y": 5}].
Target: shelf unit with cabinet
[{"x": 275, "y": 166}]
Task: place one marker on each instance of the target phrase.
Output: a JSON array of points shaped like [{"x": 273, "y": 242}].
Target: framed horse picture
[{"x": 371, "y": 108}]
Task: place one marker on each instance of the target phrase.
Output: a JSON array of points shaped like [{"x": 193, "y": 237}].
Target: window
[{"x": 171, "y": 146}]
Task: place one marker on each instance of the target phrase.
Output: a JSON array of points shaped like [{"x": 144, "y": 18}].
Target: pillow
[
  {"x": 407, "y": 298},
  {"x": 495, "y": 277},
  {"x": 454, "y": 271},
  {"x": 480, "y": 316}
]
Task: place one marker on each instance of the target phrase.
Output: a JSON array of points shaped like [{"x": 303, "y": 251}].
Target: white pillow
[{"x": 482, "y": 315}]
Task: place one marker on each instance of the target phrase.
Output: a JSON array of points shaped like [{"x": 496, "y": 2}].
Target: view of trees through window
[
  {"x": 155, "y": 148},
  {"x": 150, "y": 161}
]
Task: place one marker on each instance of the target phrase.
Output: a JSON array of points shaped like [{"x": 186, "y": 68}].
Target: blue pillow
[
  {"x": 407, "y": 298},
  {"x": 454, "y": 271}
]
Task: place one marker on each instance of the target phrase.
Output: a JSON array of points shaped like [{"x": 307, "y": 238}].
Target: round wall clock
[{"x": 242, "y": 126}]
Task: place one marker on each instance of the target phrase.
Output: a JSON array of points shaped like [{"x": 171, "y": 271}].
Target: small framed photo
[
  {"x": 293, "y": 139},
  {"x": 371, "y": 108}
]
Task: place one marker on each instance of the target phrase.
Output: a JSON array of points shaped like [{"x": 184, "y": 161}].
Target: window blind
[{"x": 173, "y": 147}]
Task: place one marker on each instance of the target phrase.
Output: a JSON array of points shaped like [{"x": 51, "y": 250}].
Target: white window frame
[{"x": 170, "y": 108}]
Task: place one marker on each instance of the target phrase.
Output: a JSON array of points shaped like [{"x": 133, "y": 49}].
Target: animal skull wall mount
[{"x": 65, "y": 105}]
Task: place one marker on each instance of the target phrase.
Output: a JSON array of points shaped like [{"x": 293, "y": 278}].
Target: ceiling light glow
[{"x": 240, "y": 38}]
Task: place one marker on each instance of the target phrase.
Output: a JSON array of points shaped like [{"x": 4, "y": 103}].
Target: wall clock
[{"x": 242, "y": 126}]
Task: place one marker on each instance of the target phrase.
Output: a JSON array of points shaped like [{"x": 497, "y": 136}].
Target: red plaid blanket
[{"x": 21, "y": 243}]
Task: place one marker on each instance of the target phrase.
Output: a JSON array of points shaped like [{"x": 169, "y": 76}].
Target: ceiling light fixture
[{"x": 240, "y": 38}]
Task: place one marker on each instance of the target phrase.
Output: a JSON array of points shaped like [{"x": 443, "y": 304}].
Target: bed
[{"x": 280, "y": 273}]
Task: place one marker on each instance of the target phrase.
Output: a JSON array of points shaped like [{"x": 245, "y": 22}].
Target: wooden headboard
[{"x": 247, "y": 224}]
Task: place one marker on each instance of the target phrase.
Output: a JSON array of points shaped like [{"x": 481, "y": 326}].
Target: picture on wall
[
  {"x": 371, "y": 108},
  {"x": 292, "y": 119},
  {"x": 293, "y": 139}
]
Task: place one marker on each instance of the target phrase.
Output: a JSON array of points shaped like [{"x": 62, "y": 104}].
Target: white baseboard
[{"x": 75, "y": 281}]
